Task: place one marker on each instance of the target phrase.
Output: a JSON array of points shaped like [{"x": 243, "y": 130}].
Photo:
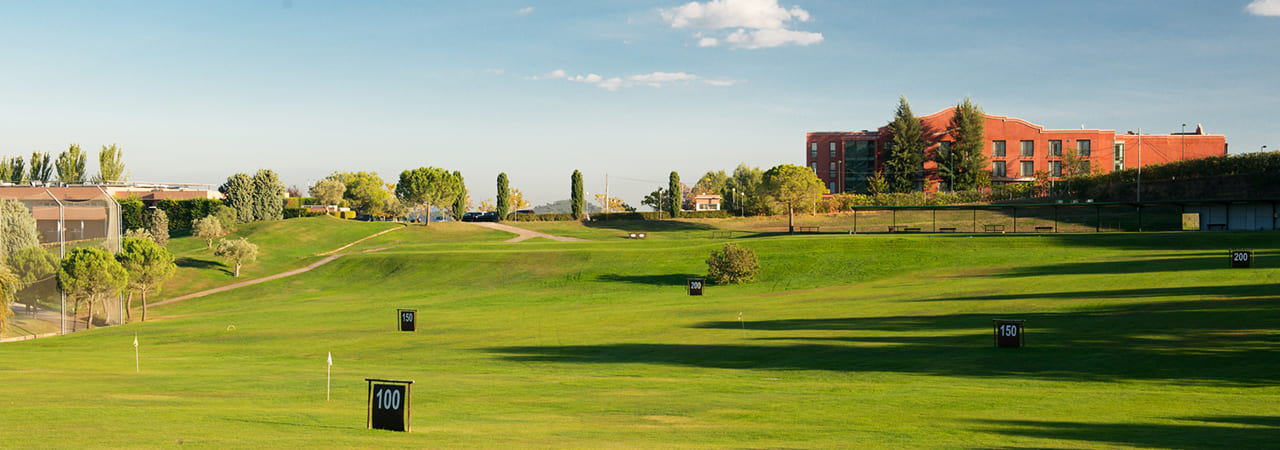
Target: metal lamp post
[{"x": 1184, "y": 142}]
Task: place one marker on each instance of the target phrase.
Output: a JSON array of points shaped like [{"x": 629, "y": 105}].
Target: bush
[{"x": 733, "y": 265}]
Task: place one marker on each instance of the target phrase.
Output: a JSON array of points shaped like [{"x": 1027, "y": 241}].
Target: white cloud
[
  {"x": 1264, "y": 8},
  {"x": 655, "y": 79},
  {"x": 766, "y": 20},
  {"x": 555, "y": 74},
  {"x": 717, "y": 14},
  {"x": 524, "y": 11},
  {"x": 495, "y": 71},
  {"x": 771, "y": 38}
]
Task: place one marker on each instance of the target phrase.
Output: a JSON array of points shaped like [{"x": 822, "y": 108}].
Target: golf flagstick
[
  {"x": 328, "y": 377},
  {"x": 137, "y": 367},
  {"x": 744, "y": 325}
]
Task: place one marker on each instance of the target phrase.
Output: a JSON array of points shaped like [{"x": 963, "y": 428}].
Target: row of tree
[{"x": 69, "y": 166}]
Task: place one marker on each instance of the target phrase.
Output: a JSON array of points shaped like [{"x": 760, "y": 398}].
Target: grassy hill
[{"x": 845, "y": 341}]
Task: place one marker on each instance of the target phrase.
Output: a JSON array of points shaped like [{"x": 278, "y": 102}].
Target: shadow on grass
[
  {"x": 1128, "y": 266},
  {"x": 201, "y": 264},
  {"x": 1235, "y": 291},
  {"x": 1216, "y": 342},
  {"x": 649, "y": 226},
  {"x": 1207, "y": 433},
  {"x": 676, "y": 279}
]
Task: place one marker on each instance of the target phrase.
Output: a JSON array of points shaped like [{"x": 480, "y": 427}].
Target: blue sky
[{"x": 195, "y": 91}]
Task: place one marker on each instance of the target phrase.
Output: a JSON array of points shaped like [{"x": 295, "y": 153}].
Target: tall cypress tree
[
  {"x": 674, "y": 190},
  {"x": 460, "y": 203},
  {"x": 579, "y": 200},
  {"x": 906, "y": 152},
  {"x": 504, "y": 196}
]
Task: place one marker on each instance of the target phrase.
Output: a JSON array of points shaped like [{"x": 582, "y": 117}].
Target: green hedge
[
  {"x": 131, "y": 217},
  {"x": 1249, "y": 175},
  {"x": 293, "y": 213},
  {"x": 182, "y": 213}
]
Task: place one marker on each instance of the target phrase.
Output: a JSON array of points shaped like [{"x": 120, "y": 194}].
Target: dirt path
[
  {"x": 332, "y": 256},
  {"x": 525, "y": 234}
]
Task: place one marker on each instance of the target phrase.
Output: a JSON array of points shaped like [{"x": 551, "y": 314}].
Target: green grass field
[{"x": 1134, "y": 340}]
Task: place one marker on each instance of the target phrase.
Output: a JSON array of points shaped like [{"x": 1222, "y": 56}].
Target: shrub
[{"x": 733, "y": 265}]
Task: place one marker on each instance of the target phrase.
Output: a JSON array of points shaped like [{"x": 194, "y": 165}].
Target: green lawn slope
[{"x": 1134, "y": 341}]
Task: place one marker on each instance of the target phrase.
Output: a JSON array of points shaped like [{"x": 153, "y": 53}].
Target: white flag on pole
[
  {"x": 330, "y": 357},
  {"x": 135, "y": 340}
]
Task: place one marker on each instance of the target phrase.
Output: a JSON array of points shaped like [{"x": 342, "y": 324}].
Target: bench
[
  {"x": 635, "y": 236},
  {"x": 721, "y": 234},
  {"x": 1216, "y": 226},
  {"x": 912, "y": 229},
  {"x": 807, "y": 229},
  {"x": 947, "y": 230},
  {"x": 992, "y": 228},
  {"x": 1044, "y": 228}
]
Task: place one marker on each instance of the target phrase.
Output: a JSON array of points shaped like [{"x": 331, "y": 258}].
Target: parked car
[
  {"x": 488, "y": 216},
  {"x": 471, "y": 216}
]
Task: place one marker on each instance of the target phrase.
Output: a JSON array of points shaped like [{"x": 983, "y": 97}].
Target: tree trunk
[
  {"x": 237, "y": 275},
  {"x": 75, "y": 311},
  {"x": 88, "y": 321},
  {"x": 144, "y": 305},
  {"x": 429, "y": 214},
  {"x": 791, "y": 219},
  {"x": 128, "y": 305},
  {"x": 105, "y": 309}
]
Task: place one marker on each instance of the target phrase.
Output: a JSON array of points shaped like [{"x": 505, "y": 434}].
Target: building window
[
  {"x": 1028, "y": 148},
  {"x": 833, "y": 150},
  {"x": 814, "y": 166},
  {"x": 813, "y": 149},
  {"x": 1084, "y": 148},
  {"x": 1119, "y": 156},
  {"x": 997, "y": 149},
  {"x": 832, "y": 170},
  {"x": 997, "y": 169},
  {"x": 1028, "y": 169},
  {"x": 1055, "y": 148},
  {"x": 831, "y": 187},
  {"x": 1055, "y": 168}
]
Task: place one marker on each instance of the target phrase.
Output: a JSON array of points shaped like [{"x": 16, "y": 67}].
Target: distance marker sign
[
  {"x": 389, "y": 404},
  {"x": 1241, "y": 259},
  {"x": 1010, "y": 333},
  {"x": 408, "y": 319},
  {"x": 695, "y": 285}
]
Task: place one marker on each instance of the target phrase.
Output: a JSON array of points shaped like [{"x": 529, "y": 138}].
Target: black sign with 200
[
  {"x": 389, "y": 405},
  {"x": 1241, "y": 259},
  {"x": 695, "y": 285}
]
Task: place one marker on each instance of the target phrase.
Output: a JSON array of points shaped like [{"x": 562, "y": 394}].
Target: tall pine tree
[
  {"x": 964, "y": 161},
  {"x": 461, "y": 202},
  {"x": 905, "y": 162}
]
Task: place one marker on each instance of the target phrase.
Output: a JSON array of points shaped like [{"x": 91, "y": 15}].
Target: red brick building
[{"x": 1015, "y": 150}]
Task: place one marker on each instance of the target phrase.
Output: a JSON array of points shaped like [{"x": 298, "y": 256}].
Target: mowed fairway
[{"x": 1134, "y": 340}]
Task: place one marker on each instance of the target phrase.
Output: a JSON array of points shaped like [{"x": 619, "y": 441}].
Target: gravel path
[
  {"x": 525, "y": 234},
  {"x": 278, "y": 276}
]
